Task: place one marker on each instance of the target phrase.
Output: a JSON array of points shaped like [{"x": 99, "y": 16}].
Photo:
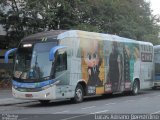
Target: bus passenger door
[{"x": 60, "y": 67}]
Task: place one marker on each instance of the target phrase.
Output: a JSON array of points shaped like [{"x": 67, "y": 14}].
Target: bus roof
[
  {"x": 101, "y": 36},
  {"x": 37, "y": 36},
  {"x": 156, "y": 48},
  {"x": 60, "y": 34}
]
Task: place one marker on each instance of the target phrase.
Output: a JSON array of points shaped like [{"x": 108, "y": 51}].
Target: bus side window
[{"x": 61, "y": 62}]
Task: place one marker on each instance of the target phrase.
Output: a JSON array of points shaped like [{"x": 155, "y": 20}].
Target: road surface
[{"x": 147, "y": 102}]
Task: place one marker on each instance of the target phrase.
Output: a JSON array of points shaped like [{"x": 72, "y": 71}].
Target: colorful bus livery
[{"x": 73, "y": 64}]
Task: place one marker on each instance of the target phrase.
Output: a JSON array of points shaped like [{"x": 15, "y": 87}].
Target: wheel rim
[{"x": 79, "y": 94}]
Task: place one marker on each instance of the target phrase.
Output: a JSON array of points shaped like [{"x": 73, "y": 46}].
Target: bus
[
  {"x": 156, "y": 81},
  {"x": 71, "y": 64}
]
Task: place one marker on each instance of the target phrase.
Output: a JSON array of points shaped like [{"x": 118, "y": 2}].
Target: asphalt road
[{"x": 147, "y": 102}]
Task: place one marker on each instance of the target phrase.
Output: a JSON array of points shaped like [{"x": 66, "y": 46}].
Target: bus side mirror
[
  {"x": 7, "y": 53},
  {"x": 53, "y": 51}
]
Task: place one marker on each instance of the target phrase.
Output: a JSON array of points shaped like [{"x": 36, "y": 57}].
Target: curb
[{"x": 12, "y": 101}]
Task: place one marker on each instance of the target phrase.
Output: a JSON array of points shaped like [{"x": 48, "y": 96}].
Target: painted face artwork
[
  {"x": 91, "y": 56},
  {"x": 93, "y": 61}
]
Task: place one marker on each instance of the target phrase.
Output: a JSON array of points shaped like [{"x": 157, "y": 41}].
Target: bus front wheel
[
  {"x": 154, "y": 88},
  {"x": 135, "y": 88},
  {"x": 79, "y": 94}
]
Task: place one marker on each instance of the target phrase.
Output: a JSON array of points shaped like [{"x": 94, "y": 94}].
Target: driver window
[{"x": 61, "y": 62}]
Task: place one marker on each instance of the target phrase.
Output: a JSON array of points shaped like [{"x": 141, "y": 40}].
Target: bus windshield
[{"x": 32, "y": 63}]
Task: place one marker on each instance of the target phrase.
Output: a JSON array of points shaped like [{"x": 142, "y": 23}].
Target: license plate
[{"x": 28, "y": 95}]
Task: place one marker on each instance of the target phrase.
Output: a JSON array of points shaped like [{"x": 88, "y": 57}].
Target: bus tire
[
  {"x": 135, "y": 88},
  {"x": 154, "y": 88},
  {"x": 44, "y": 102},
  {"x": 79, "y": 94}
]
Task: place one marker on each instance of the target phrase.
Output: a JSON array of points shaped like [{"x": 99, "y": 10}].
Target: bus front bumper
[{"x": 47, "y": 94}]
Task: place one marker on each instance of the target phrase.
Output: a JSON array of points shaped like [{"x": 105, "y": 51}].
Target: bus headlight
[{"x": 47, "y": 94}]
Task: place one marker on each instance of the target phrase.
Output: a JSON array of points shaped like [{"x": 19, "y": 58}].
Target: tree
[
  {"x": 130, "y": 18},
  {"x": 12, "y": 21}
]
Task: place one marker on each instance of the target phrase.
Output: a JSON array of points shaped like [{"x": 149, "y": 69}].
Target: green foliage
[{"x": 127, "y": 18}]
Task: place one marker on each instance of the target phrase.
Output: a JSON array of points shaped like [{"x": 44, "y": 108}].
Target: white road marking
[
  {"x": 61, "y": 112},
  {"x": 110, "y": 103},
  {"x": 129, "y": 100},
  {"x": 156, "y": 112},
  {"x": 85, "y": 115},
  {"x": 88, "y": 107},
  {"x": 145, "y": 98},
  {"x": 100, "y": 112}
]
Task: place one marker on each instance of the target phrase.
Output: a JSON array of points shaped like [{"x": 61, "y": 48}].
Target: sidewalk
[{"x": 6, "y": 98}]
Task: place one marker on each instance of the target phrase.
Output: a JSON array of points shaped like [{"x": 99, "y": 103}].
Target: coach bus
[
  {"x": 72, "y": 64},
  {"x": 156, "y": 81}
]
